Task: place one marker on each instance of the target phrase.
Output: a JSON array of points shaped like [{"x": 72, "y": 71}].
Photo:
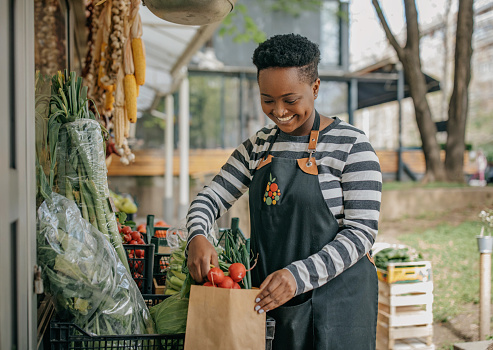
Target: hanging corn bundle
[{"x": 117, "y": 68}]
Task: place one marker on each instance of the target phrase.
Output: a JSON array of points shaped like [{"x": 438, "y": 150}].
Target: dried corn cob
[
  {"x": 139, "y": 61},
  {"x": 131, "y": 97}
]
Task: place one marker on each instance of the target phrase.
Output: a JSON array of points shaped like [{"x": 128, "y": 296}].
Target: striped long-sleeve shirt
[{"x": 350, "y": 181}]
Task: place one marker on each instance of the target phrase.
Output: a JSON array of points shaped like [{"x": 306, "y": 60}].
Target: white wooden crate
[
  {"x": 405, "y": 316},
  {"x": 407, "y": 344}
]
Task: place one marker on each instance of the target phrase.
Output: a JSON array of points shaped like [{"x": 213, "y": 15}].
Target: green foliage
[
  {"x": 237, "y": 19},
  {"x": 295, "y": 7},
  {"x": 242, "y": 27},
  {"x": 455, "y": 264}
]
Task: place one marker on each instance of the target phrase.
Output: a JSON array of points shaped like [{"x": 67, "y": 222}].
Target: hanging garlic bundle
[
  {"x": 49, "y": 58},
  {"x": 94, "y": 55}
]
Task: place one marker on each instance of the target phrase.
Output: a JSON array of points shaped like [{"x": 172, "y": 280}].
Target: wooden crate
[
  {"x": 406, "y": 272},
  {"x": 405, "y": 316},
  {"x": 158, "y": 289}
]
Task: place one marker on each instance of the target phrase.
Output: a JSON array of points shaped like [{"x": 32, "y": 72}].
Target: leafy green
[
  {"x": 83, "y": 274},
  {"x": 393, "y": 255},
  {"x": 170, "y": 315}
]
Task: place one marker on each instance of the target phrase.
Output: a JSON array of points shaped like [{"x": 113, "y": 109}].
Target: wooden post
[{"x": 484, "y": 295}]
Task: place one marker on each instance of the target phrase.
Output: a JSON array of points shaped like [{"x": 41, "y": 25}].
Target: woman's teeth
[{"x": 285, "y": 119}]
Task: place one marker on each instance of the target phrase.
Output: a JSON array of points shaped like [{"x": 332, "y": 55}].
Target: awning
[{"x": 372, "y": 93}]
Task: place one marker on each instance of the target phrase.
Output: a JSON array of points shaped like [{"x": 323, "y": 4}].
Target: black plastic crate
[
  {"x": 270, "y": 329},
  {"x": 141, "y": 267},
  {"x": 154, "y": 299},
  {"x": 67, "y": 336},
  {"x": 161, "y": 265}
]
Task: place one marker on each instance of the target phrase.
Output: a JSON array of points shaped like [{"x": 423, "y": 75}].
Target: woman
[{"x": 314, "y": 191}]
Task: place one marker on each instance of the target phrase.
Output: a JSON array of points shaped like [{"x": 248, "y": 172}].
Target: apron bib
[{"x": 291, "y": 221}]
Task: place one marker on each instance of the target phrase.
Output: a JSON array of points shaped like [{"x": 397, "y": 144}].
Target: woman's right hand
[{"x": 201, "y": 254}]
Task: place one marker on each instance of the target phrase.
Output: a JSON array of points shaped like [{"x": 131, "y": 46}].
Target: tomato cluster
[
  {"x": 131, "y": 237},
  {"x": 135, "y": 256}
]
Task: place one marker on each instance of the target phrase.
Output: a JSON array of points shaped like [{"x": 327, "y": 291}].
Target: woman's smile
[{"x": 285, "y": 119}]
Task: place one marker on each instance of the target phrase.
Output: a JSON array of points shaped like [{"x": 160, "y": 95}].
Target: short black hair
[{"x": 289, "y": 50}]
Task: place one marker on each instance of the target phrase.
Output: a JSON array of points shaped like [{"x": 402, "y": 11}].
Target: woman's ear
[{"x": 316, "y": 87}]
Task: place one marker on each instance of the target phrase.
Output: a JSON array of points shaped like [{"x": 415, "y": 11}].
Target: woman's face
[{"x": 287, "y": 100}]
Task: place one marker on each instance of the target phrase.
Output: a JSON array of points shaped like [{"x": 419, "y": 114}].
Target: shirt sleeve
[
  {"x": 361, "y": 182},
  {"x": 225, "y": 188}
]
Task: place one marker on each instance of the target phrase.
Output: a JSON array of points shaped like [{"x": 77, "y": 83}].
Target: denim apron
[{"x": 290, "y": 221}]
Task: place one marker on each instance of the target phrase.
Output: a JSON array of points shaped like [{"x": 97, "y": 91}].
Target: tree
[{"x": 409, "y": 56}]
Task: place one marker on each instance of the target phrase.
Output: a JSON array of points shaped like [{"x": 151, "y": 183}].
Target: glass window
[{"x": 332, "y": 98}]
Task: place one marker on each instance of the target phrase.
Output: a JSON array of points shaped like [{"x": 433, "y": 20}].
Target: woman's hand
[
  {"x": 278, "y": 288},
  {"x": 201, "y": 254}
]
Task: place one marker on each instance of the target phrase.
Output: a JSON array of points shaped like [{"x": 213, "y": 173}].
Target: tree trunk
[
  {"x": 456, "y": 126},
  {"x": 411, "y": 62},
  {"x": 435, "y": 170}
]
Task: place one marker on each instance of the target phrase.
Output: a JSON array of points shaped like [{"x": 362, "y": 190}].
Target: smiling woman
[{"x": 314, "y": 187}]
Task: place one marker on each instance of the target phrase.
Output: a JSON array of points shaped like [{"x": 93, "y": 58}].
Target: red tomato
[
  {"x": 139, "y": 253},
  {"x": 127, "y": 238},
  {"x": 227, "y": 283},
  {"x": 140, "y": 241},
  {"x": 133, "y": 242},
  {"x": 215, "y": 275},
  {"x": 208, "y": 284},
  {"x": 136, "y": 235},
  {"x": 138, "y": 266},
  {"x": 236, "y": 286},
  {"x": 126, "y": 230},
  {"x": 237, "y": 271}
]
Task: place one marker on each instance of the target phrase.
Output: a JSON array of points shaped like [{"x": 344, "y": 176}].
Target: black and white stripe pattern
[{"x": 351, "y": 184}]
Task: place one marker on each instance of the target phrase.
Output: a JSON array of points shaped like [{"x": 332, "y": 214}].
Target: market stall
[{"x": 103, "y": 281}]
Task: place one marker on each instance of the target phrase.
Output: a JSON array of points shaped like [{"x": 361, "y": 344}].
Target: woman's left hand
[{"x": 278, "y": 288}]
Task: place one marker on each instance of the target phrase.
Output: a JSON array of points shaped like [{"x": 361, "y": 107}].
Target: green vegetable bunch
[
  {"x": 77, "y": 167},
  {"x": 393, "y": 255}
]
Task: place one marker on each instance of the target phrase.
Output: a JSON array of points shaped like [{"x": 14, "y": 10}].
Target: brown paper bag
[{"x": 224, "y": 319}]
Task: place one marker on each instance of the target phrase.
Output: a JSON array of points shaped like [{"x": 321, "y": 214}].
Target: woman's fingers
[
  {"x": 278, "y": 288},
  {"x": 201, "y": 254}
]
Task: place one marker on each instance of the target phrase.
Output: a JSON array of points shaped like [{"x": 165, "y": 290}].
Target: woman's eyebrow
[{"x": 285, "y": 95}]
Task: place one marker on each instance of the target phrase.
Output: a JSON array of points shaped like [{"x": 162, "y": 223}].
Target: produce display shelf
[{"x": 68, "y": 336}]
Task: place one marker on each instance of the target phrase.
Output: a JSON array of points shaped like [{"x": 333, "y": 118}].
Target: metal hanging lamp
[{"x": 190, "y": 12}]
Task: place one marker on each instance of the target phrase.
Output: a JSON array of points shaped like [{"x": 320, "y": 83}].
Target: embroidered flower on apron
[{"x": 272, "y": 192}]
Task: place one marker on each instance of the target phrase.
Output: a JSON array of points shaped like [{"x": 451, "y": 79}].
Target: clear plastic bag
[
  {"x": 88, "y": 283},
  {"x": 82, "y": 177}
]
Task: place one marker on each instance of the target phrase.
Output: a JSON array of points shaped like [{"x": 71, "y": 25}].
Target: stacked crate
[{"x": 405, "y": 298}]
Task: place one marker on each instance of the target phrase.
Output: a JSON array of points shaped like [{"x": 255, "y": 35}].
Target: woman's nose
[{"x": 279, "y": 110}]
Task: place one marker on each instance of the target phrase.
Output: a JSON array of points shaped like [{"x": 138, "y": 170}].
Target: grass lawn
[{"x": 455, "y": 265}]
